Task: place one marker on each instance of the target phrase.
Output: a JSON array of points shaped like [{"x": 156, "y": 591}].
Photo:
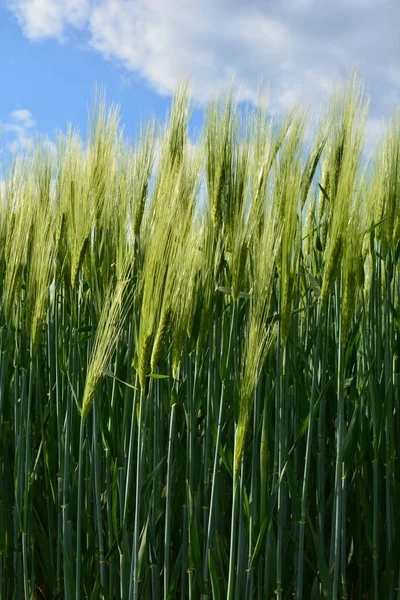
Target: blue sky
[
  {"x": 54, "y": 52},
  {"x": 55, "y": 82}
]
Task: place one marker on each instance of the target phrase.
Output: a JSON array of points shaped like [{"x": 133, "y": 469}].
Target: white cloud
[
  {"x": 45, "y": 18},
  {"x": 125, "y": 80},
  {"x": 301, "y": 47},
  {"x": 21, "y": 132},
  {"x": 19, "y": 128},
  {"x": 23, "y": 116},
  {"x": 374, "y": 129}
]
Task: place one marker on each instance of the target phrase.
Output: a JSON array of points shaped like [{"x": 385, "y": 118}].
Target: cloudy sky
[{"x": 54, "y": 52}]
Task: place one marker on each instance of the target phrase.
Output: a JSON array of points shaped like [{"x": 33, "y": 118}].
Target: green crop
[{"x": 199, "y": 359}]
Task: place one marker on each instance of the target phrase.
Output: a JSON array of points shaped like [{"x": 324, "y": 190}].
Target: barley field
[{"x": 199, "y": 363}]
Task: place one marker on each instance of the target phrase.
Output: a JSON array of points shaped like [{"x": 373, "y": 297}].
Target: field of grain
[{"x": 199, "y": 359}]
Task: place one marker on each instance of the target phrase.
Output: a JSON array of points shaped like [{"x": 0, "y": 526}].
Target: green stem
[
  {"x": 168, "y": 500},
  {"x": 307, "y": 463}
]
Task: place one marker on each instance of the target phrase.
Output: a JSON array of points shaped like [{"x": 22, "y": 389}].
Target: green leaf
[
  {"x": 175, "y": 576},
  {"x": 142, "y": 548},
  {"x": 324, "y": 193},
  {"x": 215, "y": 582},
  {"x": 323, "y": 571},
  {"x": 115, "y": 499},
  {"x": 68, "y": 574},
  {"x": 96, "y": 589}
]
